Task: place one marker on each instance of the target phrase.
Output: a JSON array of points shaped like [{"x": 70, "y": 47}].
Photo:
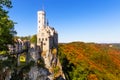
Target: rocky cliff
[{"x": 47, "y": 65}]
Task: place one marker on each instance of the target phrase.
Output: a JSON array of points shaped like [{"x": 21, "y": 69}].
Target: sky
[{"x": 75, "y": 20}]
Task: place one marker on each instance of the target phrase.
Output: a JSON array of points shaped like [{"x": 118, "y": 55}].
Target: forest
[{"x": 90, "y": 61}]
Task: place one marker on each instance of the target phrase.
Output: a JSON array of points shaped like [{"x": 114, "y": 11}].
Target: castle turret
[{"x": 41, "y": 20}]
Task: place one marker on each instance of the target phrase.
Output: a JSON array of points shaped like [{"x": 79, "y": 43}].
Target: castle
[{"x": 47, "y": 39}]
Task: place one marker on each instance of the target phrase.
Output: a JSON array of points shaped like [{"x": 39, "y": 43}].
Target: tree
[
  {"x": 33, "y": 39},
  {"x": 6, "y": 25}
]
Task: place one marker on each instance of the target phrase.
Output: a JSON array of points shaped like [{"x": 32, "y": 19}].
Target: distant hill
[
  {"x": 117, "y": 45},
  {"x": 90, "y": 61}
]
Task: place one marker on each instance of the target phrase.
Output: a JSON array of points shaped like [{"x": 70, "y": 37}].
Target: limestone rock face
[
  {"x": 38, "y": 73},
  {"x": 47, "y": 66},
  {"x": 34, "y": 54}
]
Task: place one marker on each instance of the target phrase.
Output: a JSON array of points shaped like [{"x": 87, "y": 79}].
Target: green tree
[
  {"x": 6, "y": 25},
  {"x": 33, "y": 39}
]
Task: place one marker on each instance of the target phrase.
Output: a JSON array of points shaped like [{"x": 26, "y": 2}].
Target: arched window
[
  {"x": 42, "y": 39},
  {"x": 44, "y": 44}
]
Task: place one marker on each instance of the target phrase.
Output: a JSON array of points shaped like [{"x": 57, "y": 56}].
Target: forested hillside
[{"x": 90, "y": 61}]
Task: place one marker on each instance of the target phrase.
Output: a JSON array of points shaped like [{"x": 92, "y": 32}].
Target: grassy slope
[{"x": 82, "y": 61}]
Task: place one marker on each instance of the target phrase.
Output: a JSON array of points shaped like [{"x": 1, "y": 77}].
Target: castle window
[
  {"x": 39, "y": 39},
  {"x": 46, "y": 39},
  {"x": 42, "y": 39},
  {"x": 39, "y": 21},
  {"x": 44, "y": 44}
]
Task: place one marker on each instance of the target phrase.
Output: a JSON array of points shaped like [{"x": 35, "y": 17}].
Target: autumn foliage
[{"x": 90, "y": 61}]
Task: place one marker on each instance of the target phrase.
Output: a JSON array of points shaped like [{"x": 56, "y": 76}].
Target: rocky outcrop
[
  {"x": 47, "y": 67},
  {"x": 38, "y": 73}
]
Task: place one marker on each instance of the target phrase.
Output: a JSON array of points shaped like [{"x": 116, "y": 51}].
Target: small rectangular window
[
  {"x": 44, "y": 44},
  {"x": 39, "y": 39}
]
